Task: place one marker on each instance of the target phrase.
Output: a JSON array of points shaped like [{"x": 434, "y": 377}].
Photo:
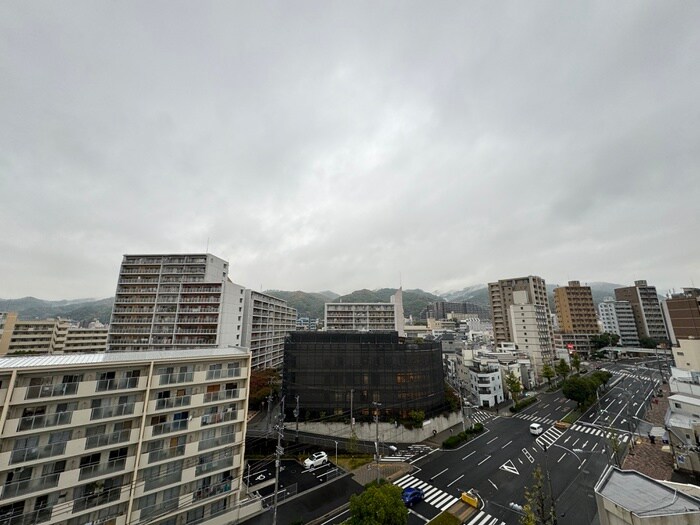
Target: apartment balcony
[
  {"x": 43, "y": 391},
  {"x": 170, "y": 427},
  {"x": 114, "y": 438},
  {"x": 175, "y": 378},
  {"x": 133, "y": 300},
  {"x": 143, "y": 260},
  {"x": 98, "y": 496},
  {"x": 44, "y": 421},
  {"x": 226, "y": 439},
  {"x": 128, "y": 310},
  {"x": 116, "y": 384},
  {"x": 21, "y": 488},
  {"x": 213, "y": 319},
  {"x": 132, "y": 330},
  {"x": 211, "y": 491},
  {"x": 207, "y": 468},
  {"x": 223, "y": 395},
  {"x": 223, "y": 373},
  {"x": 162, "y": 481},
  {"x": 202, "y": 299},
  {"x": 220, "y": 417},
  {"x": 137, "y": 280},
  {"x": 144, "y": 271},
  {"x": 159, "y": 509},
  {"x": 104, "y": 469},
  {"x": 32, "y": 454},
  {"x": 163, "y": 299},
  {"x": 196, "y": 331},
  {"x": 165, "y": 454},
  {"x": 27, "y": 518},
  {"x": 197, "y": 309},
  {"x": 171, "y": 402},
  {"x": 202, "y": 289},
  {"x": 196, "y": 340},
  {"x": 112, "y": 411},
  {"x": 164, "y": 319},
  {"x": 137, "y": 289}
]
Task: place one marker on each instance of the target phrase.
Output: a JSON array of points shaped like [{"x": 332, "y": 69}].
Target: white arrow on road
[{"x": 508, "y": 466}]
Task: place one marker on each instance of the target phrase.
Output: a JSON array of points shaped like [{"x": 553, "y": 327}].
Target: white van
[{"x": 536, "y": 429}]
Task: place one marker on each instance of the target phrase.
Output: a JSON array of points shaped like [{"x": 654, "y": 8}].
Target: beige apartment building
[
  {"x": 123, "y": 438},
  {"x": 648, "y": 316},
  {"x": 49, "y": 336},
  {"x": 501, "y": 299},
  {"x": 575, "y": 309}
]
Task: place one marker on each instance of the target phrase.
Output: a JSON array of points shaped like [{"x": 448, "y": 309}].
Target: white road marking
[
  {"x": 562, "y": 457},
  {"x": 494, "y": 485},
  {"x": 483, "y": 460},
  {"x": 494, "y": 439},
  {"x": 504, "y": 446},
  {"x": 456, "y": 480},
  {"x": 439, "y": 473},
  {"x": 472, "y": 452}
]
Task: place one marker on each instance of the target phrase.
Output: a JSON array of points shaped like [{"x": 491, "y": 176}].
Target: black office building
[{"x": 326, "y": 368}]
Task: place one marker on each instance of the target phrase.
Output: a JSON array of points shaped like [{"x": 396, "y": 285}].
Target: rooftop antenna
[
  {"x": 400, "y": 282},
  {"x": 207, "y": 250}
]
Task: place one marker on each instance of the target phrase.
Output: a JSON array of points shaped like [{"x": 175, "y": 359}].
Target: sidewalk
[{"x": 649, "y": 458}]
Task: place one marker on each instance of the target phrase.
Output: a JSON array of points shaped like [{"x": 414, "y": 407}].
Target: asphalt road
[{"x": 499, "y": 463}]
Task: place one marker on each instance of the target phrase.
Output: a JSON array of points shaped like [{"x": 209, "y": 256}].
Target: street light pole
[{"x": 376, "y": 443}]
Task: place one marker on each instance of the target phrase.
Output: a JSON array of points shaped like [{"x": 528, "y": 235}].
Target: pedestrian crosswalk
[
  {"x": 483, "y": 518},
  {"x": 481, "y": 417},
  {"x": 628, "y": 374},
  {"x": 413, "y": 451},
  {"x": 549, "y": 437},
  {"x": 599, "y": 432},
  {"x": 536, "y": 419},
  {"x": 432, "y": 495}
]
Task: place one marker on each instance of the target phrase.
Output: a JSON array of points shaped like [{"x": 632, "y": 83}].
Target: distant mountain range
[
  {"x": 82, "y": 310},
  {"x": 307, "y": 304}
]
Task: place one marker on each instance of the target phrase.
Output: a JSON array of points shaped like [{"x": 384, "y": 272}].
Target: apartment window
[{"x": 677, "y": 405}]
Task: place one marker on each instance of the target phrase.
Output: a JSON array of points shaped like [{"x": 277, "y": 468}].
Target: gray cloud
[{"x": 336, "y": 145}]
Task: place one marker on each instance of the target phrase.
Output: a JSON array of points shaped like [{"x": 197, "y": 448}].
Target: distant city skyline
[{"x": 340, "y": 146}]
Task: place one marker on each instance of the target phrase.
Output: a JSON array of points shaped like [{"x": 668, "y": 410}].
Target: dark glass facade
[{"x": 324, "y": 368}]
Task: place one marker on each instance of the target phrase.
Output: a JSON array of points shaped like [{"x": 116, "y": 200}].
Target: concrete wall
[{"x": 388, "y": 432}]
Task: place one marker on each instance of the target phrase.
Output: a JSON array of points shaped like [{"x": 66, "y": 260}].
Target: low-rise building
[
  {"x": 118, "y": 438},
  {"x": 628, "y": 497},
  {"x": 49, "y": 336}
]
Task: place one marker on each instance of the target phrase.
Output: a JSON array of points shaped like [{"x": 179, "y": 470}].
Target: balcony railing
[
  {"x": 181, "y": 377},
  {"x": 214, "y": 465},
  {"x": 99, "y": 496},
  {"x": 104, "y": 440},
  {"x": 213, "y": 397},
  {"x": 213, "y": 419},
  {"x": 173, "y": 426},
  {"x": 226, "y": 439},
  {"x": 61, "y": 389},
  {"x": 21, "y": 488},
  {"x": 161, "y": 481},
  {"x": 49, "y": 420},
  {"x": 30, "y": 454},
  {"x": 173, "y": 402},
  {"x": 225, "y": 373},
  {"x": 211, "y": 491},
  {"x": 166, "y": 453},
  {"x": 117, "y": 384},
  {"x": 100, "y": 469},
  {"x": 27, "y": 518},
  {"x": 112, "y": 411}
]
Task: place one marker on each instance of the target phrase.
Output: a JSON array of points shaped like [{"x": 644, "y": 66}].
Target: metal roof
[
  {"x": 644, "y": 496},
  {"x": 37, "y": 361}
]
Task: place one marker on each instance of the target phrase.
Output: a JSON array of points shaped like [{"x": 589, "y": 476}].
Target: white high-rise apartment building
[
  {"x": 123, "y": 438},
  {"x": 367, "y": 316},
  {"x": 189, "y": 301},
  {"x": 531, "y": 331},
  {"x": 618, "y": 318},
  {"x": 175, "y": 301},
  {"x": 266, "y": 322},
  {"x": 648, "y": 316}
]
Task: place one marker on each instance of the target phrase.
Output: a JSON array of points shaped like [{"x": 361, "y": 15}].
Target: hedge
[
  {"x": 517, "y": 407},
  {"x": 463, "y": 437}
]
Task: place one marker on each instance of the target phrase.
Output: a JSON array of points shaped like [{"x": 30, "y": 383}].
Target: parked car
[
  {"x": 411, "y": 496},
  {"x": 536, "y": 429},
  {"x": 316, "y": 460}
]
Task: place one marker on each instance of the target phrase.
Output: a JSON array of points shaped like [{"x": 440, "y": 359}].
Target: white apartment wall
[
  {"x": 687, "y": 354},
  {"x": 232, "y": 315}
]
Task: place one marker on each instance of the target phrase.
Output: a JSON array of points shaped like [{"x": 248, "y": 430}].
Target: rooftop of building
[
  {"x": 644, "y": 496},
  {"x": 681, "y": 398},
  {"x": 58, "y": 360}
]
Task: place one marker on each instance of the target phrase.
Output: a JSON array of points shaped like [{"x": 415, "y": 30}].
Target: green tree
[
  {"x": 378, "y": 505},
  {"x": 514, "y": 385},
  {"x": 601, "y": 377},
  {"x": 605, "y": 339},
  {"x": 537, "y": 509},
  {"x": 579, "y": 389},
  {"x": 548, "y": 373},
  {"x": 563, "y": 369},
  {"x": 576, "y": 362},
  {"x": 647, "y": 342}
]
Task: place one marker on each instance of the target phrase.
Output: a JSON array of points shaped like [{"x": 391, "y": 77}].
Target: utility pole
[
  {"x": 461, "y": 404},
  {"x": 376, "y": 443},
  {"x": 269, "y": 408},
  {"x": 352, "y": 421},
  {"x": 278, "y": 457},
  {"x": 549, "y": 483},
  {"x": 296, "y": 415}
]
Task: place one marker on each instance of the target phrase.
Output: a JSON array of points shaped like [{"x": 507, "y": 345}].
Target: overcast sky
[{"x": 341, "y": 145}]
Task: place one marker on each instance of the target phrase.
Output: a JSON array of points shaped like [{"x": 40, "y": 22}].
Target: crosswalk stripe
[
  {"x": 485, "y": 519},
  {"x": 442, "y": 499},
  {"x": 437, "y": 494},
  {"x": 478, "y": 517},
  {"x": 398, "y": 481},
  {"x": 449, "y": 503},
  {"x": 429, "y": 492},
  {"x": 421, "y": 485}
]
